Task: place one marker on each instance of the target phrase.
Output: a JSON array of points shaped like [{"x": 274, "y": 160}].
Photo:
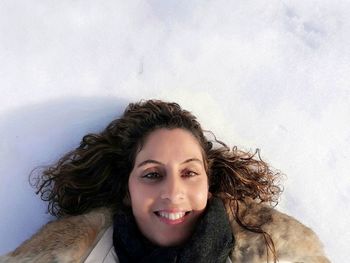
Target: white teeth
[{"x": 171, "y": 216}]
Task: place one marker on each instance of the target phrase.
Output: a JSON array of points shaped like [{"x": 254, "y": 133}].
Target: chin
[{"x": 166, "y": 242}]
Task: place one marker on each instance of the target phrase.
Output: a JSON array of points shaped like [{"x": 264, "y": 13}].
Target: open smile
[{"x": 172, "y": 218}]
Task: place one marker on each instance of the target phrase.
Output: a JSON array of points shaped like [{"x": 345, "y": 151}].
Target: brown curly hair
[{"x": 96, "y": 173}]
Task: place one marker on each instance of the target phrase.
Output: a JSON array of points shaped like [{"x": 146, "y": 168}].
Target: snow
[{"x": 263, "y": 74}]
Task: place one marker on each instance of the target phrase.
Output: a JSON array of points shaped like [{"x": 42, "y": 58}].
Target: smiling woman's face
[{"x": 168, "y": 186}]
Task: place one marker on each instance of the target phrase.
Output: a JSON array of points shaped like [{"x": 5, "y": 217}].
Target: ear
[
  {"x": 209, "y": 195},
  {"x": 127, "y": 199}
]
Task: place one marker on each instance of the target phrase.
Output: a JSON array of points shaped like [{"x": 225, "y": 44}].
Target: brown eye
[
  {"x": 190, "y": 173},
  {"x": 152, "y": 176}
]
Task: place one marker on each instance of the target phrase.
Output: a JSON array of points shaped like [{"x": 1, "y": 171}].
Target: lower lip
[{"x": 172, "y": 222}]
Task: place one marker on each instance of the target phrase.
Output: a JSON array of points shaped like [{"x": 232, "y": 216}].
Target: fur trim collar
[
  {"x": 65, "y": 240},
  {"x": 71, "y": 239}
]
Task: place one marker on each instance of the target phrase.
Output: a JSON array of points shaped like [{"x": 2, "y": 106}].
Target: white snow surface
[{"x": 265, "y": 74}]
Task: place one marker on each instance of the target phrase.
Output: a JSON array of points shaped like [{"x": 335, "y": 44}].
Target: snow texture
[{"x": 262, "y": 74}]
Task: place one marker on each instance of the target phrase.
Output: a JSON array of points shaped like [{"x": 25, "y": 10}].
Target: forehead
[{"x": 165, "y": 142}]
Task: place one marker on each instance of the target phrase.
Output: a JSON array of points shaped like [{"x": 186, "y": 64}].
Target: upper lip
[{"x": 172, "y": 210}]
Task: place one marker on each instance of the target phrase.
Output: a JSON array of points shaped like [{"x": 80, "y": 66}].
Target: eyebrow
[{"x": 157, "y": 162}]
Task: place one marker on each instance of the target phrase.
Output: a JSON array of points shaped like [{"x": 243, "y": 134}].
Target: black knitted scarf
[{"x": 211, "y": 241}]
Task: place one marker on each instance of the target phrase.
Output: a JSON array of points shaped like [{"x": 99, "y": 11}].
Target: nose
[{"x": 173, "y": 189}]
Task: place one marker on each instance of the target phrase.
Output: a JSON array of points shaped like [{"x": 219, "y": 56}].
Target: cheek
[
  {"x": 198, "y": 194},
  {"x": 141, "y": 197}
]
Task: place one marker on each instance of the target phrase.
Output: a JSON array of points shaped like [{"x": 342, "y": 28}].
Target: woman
[{"x": 152, "y": 188}]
